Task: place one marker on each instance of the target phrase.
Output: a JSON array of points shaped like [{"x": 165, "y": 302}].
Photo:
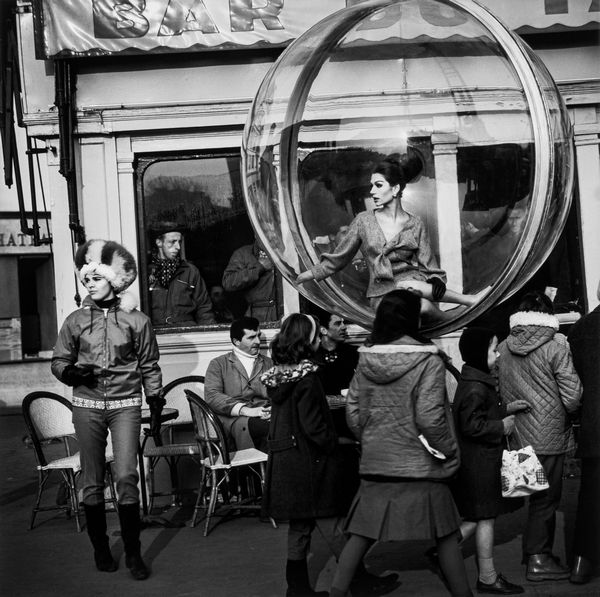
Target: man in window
[
  {"x": 233, "y": 389},
  {"x": 252, "y": 272},
  {"x": 178, "y": 294}
]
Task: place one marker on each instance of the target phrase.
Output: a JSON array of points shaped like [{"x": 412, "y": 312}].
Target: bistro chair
[
  {"x": 210, "y": 436},
  {"x": 171, "y": 452},
  {"x": 48, "y": 417}
]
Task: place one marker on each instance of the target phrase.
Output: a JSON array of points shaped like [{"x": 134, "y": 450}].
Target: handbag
[{"x": 522, "y": 473}]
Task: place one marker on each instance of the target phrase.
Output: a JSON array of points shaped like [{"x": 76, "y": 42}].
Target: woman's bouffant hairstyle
[
  {"x": 397, "y": 315},
  {"x": 293, "y": 342},
  {"x": 400, "y": 169},
  {"x": 537, "y": 302}
]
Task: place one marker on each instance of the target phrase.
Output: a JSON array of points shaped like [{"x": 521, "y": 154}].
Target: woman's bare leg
[
  {"x": 450, "y": 296},
  {"x": 355, "y": 549}
]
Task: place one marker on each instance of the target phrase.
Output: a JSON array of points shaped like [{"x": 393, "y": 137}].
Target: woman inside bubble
[{"x": 394, "y": 243}]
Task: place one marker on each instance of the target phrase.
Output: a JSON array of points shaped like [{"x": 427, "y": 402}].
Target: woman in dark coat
[
  {"x": 303, "y": 466},
  {"x": 481, "y": 423}
]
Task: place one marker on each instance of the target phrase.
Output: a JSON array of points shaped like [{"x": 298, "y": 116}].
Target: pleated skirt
[{"x": 402, "y": 511}]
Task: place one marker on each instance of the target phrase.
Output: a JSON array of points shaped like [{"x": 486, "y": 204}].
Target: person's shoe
[
  {"x": 581, "y": 572},
  {"x": 499, "y": 587},
  {"x": 543, "y": 566},
  {"x": 136, "y": 566},
  {"x": 365, "y": 584}
]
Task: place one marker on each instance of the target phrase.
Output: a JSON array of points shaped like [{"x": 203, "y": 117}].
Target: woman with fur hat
[
  {"x": 107, "y": 352},
  {"x": 398, "y": 408},
  {"x": 395, "y": 243},
  {"x": 481, "y": 422},
  {"x": 535, "y": 365}
]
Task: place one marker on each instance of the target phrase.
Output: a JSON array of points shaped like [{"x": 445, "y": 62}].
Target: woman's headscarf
[{"x": 474, "y": 345}]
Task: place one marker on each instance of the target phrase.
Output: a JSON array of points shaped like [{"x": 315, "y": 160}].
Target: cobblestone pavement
[{"x": 240, "y": 557}]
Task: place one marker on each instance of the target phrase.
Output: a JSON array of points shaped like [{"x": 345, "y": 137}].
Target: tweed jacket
[
  {"x": 408, "y": 256},
  {"x": 584, "y": 339},
  {"x": 535, "y": 365},
  {"x": 397, "y": 394},
  {"x": 226, "y": 384}
]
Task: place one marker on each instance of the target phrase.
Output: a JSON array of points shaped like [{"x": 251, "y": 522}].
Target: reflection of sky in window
[{"x": 212, "y": 176}]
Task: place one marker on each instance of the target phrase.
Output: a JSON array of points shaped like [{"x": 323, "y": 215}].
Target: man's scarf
[{"x": 164, "y": 270}]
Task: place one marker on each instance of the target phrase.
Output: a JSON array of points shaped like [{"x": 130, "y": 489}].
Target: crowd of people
[{"x": 402, "y": 464}]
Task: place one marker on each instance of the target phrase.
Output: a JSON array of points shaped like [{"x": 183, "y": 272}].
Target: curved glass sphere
[{"x": 442, "y": 80}]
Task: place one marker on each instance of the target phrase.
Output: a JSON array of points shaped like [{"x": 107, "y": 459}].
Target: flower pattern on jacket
[{"x": 275, "y": 376}]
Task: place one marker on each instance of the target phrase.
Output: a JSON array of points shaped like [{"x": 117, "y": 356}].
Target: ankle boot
[
  {"x": 95, "y": 518},
  {"x": 296, "y": 574},
  {"x": 129, "y": 516},
  {"x": 543, "y": 566},
  {"x": 581, "y": 572}
]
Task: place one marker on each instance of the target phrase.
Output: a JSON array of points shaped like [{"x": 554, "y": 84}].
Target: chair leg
[
  {"x": 200, "y": 498},
  {"x": 172, "y": 463},
  {"x": 42, "y": 478},
  {"x": 111, "y": 486},
  {"x": 213, "y": 500},
  {"x": 151, "y": 464},
  {"x": 69, "y": 477}
]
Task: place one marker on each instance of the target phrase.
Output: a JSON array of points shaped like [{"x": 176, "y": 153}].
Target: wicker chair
[
  {"x": 210, "y": 436},
  {"x": 48, "y": 416}
]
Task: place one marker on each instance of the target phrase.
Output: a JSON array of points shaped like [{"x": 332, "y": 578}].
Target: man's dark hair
[
  {"x": 323, "y": 316},
  {"x": 236, "y": 331}
]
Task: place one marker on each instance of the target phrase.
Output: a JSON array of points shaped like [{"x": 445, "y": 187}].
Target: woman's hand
[
  {"x": 305, "y": 277},
  {"x": 509, "y": 424},
  {"x": 517, "y": 406}
]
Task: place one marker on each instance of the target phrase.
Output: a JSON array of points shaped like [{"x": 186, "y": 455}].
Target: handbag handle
[{"x": 516, "y": 434}]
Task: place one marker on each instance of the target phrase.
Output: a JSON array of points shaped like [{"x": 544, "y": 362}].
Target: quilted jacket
[
  {"x": 535, "y": 365},
  {"x": 397, "y": 394}
]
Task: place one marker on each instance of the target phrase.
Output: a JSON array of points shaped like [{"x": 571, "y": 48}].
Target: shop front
[{"x": 162, "y": 93}]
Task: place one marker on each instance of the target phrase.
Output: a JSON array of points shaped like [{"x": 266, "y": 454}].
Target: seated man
[
  {"x": 233, "y": 389},
  {"x": 337, "y": 359},
  {"x": 252, "y": 272},
  {"x": 177, "y": 291}
]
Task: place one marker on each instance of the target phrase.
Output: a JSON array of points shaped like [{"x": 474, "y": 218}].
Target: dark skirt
[{"x": 403, "y": 510}]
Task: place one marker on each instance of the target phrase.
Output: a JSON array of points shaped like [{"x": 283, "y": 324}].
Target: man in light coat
[{"x": 233, "y": 389}]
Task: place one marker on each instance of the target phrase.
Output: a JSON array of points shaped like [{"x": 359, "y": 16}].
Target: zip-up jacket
[
  {"x": 185, "y": 302},
  {"x": 120, "y": 347}
]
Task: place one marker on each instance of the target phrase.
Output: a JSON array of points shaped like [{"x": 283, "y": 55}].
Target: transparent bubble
[{"x": 439, "y": 83}]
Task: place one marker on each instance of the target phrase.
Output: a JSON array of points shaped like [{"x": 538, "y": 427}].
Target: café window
[{"x": 200, "y": 263}]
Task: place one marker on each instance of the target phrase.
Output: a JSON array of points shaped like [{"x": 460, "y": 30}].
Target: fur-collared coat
[
  {"x": 304, "y": 467},
  {"x": 535, "y": 365},
  {"x": 397, "y": 394}
]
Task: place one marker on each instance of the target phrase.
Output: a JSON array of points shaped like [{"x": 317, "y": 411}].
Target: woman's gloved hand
[
  {"x": 438, "y": 288},
  {"x": 156, "y": 404},
  {"x": 73, "y": 376}
]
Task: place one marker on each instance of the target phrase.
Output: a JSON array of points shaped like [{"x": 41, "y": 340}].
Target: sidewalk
[{"x": 240, "y": 557}]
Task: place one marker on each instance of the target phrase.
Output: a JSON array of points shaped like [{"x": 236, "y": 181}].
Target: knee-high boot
[
  {"x": 95, "y": 518},
  {"x": 296, "y": 573},
  {"x": 129, "y": 516}
]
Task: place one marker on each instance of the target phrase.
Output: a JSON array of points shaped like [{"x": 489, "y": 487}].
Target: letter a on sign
[{"x": 186, "y": 15}]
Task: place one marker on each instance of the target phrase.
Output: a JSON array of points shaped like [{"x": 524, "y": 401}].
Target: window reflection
[{"x": 194, "y": 227}]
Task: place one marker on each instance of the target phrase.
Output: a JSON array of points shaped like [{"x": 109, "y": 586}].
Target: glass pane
[
  {"x": 197, "y": 204},
  {"x": 438, "y": 83}
]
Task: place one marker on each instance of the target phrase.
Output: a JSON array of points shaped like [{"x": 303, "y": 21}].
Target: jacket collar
[
  {"x": 469, "y": 373},
  {"x": 257, "y": 369}
]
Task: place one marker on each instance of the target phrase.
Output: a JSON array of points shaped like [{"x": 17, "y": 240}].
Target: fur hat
[{"x": 110, "y": 260}]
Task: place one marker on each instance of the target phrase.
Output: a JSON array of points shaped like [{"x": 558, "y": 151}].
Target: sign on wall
[
  {"x": 14, "y": 242},
  {"x": 66, "y": 28}
]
